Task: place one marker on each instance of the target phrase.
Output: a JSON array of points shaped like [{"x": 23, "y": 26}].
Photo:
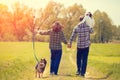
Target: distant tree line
[{"x": 18, "y": 24}]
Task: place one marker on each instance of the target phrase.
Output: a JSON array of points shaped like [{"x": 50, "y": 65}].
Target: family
[{"x": 83, "y": 30}]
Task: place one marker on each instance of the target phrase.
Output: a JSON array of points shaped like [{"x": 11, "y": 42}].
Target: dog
[{"x": 40, "y": 67}]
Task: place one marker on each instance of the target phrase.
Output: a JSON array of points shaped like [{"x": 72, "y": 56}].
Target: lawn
[{"x": 17, "y": 62}]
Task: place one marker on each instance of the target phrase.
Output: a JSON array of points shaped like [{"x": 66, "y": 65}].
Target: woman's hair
[{"x": 56, "y": 26}]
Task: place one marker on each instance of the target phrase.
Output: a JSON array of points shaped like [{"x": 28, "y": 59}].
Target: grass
[
  {"x": 17, "y": 61},
  {"x": 106, "y": 58}
]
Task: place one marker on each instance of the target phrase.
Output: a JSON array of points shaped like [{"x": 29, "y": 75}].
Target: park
[
  {"x": 17, "y": 62},
  {"x": 19, "y": 46}
]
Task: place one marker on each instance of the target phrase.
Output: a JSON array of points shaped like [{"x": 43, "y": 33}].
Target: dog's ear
[
  {"x": 45, "y": 62},
  {"x": 44, "y": 59},
  {"x": 41, "y": 59}
]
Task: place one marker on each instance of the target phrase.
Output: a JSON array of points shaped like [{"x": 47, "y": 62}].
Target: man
[{"x": 82, "y": 30}]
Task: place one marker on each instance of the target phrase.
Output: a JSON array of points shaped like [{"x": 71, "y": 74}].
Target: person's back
[
  {"x": 83, "y": 32},
  {"x": 55, "y": 40},
  {"x": 56, "y": 36}
]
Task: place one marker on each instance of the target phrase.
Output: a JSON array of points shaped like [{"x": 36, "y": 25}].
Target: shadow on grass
[
  {"x": 67, "y": 75},
  {"x": 105, "y": 77},
  {"x": 71, "y": 75},
  {"x": 64, "y": 75}
]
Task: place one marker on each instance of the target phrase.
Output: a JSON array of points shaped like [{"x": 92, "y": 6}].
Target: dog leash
[
  {"x": 34, "y": 51},
  {"x": 33, "y": 36},
  {"x": 33, "y": 42}
]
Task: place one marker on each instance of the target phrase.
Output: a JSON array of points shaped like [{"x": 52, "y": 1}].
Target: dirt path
[
  {"x": 67, "y": 70},
  {"x": 92, "y": 73}
]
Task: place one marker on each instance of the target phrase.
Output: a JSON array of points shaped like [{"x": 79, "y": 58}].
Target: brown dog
[{"x": 40, "y": 67}]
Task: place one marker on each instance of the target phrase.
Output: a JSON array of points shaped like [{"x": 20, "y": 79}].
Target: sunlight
[{"x": 102, "y": 5}]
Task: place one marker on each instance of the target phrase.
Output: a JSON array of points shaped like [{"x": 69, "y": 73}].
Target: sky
[{"x": 111, "y": 7}]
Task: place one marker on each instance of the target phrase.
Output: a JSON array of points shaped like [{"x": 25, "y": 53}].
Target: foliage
[
  {"x": 117, "y": 33},
  {"x": 103, "y": 27},
  {"x": 19, "y": 23}
]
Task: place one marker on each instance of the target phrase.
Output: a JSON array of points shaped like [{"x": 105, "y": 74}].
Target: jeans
[
  {"x": 82, "y": 57},
  {"x": 55, "y": 61}
]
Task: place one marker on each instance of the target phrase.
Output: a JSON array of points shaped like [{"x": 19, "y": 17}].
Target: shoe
[
  {"x": 52, "y": 73},
  {"x": 82, "y": 75},
  {"x": 55, "y": 74},
  {"x": 77, "y": 73}
]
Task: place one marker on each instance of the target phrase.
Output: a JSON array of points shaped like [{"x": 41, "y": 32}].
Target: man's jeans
[
  {"x": 55, "y": 60},
  {"x": 82, "y": 57}
]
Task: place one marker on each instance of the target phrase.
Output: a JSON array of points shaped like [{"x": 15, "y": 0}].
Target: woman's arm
[
  {"x": 63, "y": 38},
  {"x": 44, "y": 32}
]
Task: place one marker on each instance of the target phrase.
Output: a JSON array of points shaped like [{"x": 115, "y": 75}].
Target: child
[
  {"x": 89, "y": 20},
  {"x": 56, "y": 37}
]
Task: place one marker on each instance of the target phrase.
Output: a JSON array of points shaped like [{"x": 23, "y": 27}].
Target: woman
[{"x": 56, "y": 37}]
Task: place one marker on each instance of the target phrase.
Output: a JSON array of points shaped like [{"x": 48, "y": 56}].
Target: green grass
[
  {"x": 106, "y": 58},
  {"x": 17, "y": 61}
]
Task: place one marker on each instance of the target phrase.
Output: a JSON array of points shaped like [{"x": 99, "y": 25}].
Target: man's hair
[{"x": 81, "y": 18}]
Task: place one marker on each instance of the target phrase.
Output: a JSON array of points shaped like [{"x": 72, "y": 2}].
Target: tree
[
  {"x": 71, "y": 18},
  {"x": 19, "y": 24},
  {"x": 22, "y": 20},
  {"x": 48, "y": 15},
  {"x": 118, "y": 33},
  {"x": 5, "y": 24},
  {"x": 103, "y": 27}
]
